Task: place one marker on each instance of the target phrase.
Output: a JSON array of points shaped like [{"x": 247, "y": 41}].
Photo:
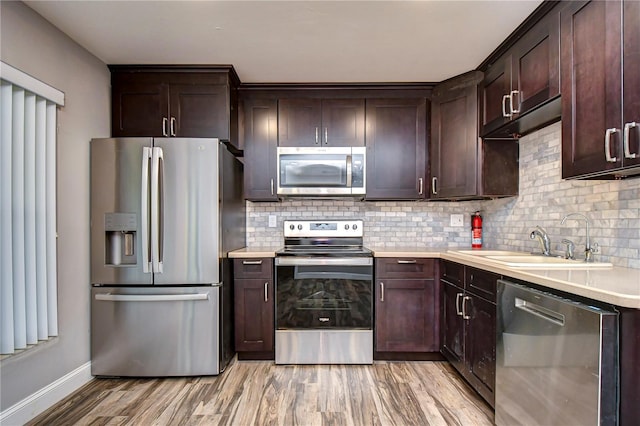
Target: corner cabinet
[
  {"x": 464, "y": 166},
  {"x": 260, "y": 130},
  {"x": 165, "y": 101},
  {"x": 468, "y": 329},
  {"x": 396, "y": 148},
  {"x": 407, "y": 308},
  {"x": 254, "y": 308},
  {"x": 321, "y": 122},
  {"x": 600, "y": 59}
]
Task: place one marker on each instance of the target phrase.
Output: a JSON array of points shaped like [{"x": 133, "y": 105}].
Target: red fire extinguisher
[{"x": 476, "y": 231}]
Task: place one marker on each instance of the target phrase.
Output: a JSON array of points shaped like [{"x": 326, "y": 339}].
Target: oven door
[{"x": 324, "y": 293}]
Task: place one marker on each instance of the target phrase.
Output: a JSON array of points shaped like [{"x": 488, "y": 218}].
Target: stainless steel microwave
[{"x": 327, "y": 171}]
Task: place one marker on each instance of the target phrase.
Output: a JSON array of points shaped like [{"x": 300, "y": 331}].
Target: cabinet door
[
  {"x": 406, "y": 319},
  {"x": 343, "y": 122},
  {"x": 591, "y": 86},
  {"x": 495, "y": 89},
  {"x": 536, "y": 66},
  {"x": 480, "y": 345},
  {"x": 452, "y": 325},
  {"x": 199, "y": 111},
  {"x": 254, "y": 315},
  {"x": 299, "y": 122},
  {"x": 454, "y": 140},
  {"x": 631, "y": 76},
  {"x": 139, "y": 109},
  {"x": 260, "y": 149},
  {"x": 396, "y": 148}
]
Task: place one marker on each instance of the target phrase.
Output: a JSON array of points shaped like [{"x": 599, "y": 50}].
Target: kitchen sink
[
  {"x": 523, "y": 260},
  {"x": 537, "y": 261}
]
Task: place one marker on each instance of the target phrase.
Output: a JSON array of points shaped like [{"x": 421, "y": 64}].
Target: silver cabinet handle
[
  {"x": 458, "y": 309},
  {"x": 326, "y": 135},
  {"x": 464, "y": 308},
  {"x": 381, "y": 291},
  {"x": 627, "y": 128},
  {"x": 607, "y": 145},
  {"x": 406, "y": 262},
  {"x": 316, "y": 135},
  {"x": 504, "y": 106},
  {"x": 434, "y": 181},
  {"x": 271, "y": 186},
  {"x": 420, "y": 186},
  {"x": 252, "y": 262},
  {"x": 173, "y": 126},
  {"x": 165, "y": 121},
  {"x": 511, "y": 96},
  {"x": 266, "y": 291}
]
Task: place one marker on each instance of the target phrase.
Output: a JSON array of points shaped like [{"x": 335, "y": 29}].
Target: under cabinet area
[
  {"x": 166, "y": 101},
  {"x": 254, "y": 308},
  {"x": 406, "y": 307},
  {"x": 600, "y": 89},
  {"x": 468, "y": 328}
]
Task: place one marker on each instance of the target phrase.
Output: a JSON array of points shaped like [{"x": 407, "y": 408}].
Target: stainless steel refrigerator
[{"x": 165, "y": 212}]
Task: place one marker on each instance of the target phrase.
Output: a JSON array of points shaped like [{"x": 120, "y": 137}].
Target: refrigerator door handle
[
  {"x": 144, "y": 210},
  {"x": 156, "y": 210},
  {"x": 108, "y": 297}
]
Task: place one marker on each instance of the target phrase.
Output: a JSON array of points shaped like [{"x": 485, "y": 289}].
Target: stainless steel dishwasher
[{"x": 556, "y": 360}]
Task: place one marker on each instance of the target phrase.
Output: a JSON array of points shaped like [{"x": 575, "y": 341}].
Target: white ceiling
[{"x": 295, "y": 41}]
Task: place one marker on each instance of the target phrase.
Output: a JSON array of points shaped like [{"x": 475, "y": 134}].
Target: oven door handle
[{"x": 311, "y": 261}]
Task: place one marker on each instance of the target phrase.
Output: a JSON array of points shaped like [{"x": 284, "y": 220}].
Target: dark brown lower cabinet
[
  {"x": 254, "y": 308},
  {"x": 468, "y": 330},
  {"x": 406, "y": 307}
]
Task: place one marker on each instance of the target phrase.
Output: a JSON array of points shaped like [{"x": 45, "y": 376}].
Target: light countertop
[{"x": 615, "y": 285}]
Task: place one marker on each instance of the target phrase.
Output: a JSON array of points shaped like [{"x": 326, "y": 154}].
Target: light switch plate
[
  {"x": 272, "y": 221},
  {"x": 457, "y": 220}
]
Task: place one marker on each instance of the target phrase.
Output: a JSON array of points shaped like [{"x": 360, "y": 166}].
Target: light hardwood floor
[{"x": 262, "y": 393}]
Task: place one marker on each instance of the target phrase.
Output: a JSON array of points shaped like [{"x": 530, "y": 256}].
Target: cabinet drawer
[
  {"x": 253, "y": 268},
  {"x": 405, "y": 267},
  {"x": 452, "y": 273},
  {"x": 481, "y": 283}
]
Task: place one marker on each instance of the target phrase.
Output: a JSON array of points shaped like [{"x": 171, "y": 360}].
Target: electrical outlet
[
  {"x": 272, "y": 221},
  {"x": 457, "y": 220}
]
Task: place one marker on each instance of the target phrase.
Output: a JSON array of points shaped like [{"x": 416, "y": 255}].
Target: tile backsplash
[{"x": 544, "y": 199}]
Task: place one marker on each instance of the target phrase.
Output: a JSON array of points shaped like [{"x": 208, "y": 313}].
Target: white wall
[{"x": 31, "y": 44}]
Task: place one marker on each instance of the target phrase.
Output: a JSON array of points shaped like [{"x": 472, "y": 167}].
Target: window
[{"x": 28, "y": 289}]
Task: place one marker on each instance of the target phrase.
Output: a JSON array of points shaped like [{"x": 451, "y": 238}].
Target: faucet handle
[{"x": 570, "y": 247}]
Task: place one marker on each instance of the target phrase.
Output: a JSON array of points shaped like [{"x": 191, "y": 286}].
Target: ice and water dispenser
[{"x": 120, "y": 238}]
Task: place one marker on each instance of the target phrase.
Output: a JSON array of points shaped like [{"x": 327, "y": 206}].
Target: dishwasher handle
[{"x": 540, "y": 311}]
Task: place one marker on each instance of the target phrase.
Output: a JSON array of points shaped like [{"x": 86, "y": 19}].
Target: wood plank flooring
[{"x": 262, "y": 393}]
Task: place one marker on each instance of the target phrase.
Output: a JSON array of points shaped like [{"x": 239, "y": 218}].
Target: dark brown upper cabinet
[
  {"x": 260, "y": 130},
  {"x": 525, "y": 78},
  {"x": 463, "y": 166},
  {"x": 396, "y": 149},
  {"x": 165, "y": 101},
  {"x": 600, "y": 89},
  {"x": 321, "y": 122}
]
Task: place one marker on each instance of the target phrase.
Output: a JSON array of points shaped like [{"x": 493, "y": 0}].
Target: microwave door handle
[{"x": 349, "y": 170}]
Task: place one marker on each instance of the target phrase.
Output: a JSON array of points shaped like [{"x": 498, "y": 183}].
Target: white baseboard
[{"x": 36, "y": 403}]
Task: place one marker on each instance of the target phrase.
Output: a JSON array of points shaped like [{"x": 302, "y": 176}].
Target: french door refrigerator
[{"x": 165, "y": 212}]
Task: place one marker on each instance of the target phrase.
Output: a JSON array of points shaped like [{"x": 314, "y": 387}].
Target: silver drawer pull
[
  {"x": 406, "y": 262},
  {"x": 323, "y": 319},
  {"x": 252, "y": 262}
]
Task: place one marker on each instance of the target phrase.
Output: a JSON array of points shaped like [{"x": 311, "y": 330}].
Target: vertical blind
[{"x": 28, "y": 286}]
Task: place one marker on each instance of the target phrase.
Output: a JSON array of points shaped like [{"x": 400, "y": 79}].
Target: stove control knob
[
  {"x": 346, "y": 226},
  {"x": 292, "y": 227},
  {"x": 299, "y": 227},
  {"x": 354, "y": 227}
]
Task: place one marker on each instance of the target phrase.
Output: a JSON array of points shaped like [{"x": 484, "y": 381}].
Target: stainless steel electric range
[{"x": 324, "y": 294}]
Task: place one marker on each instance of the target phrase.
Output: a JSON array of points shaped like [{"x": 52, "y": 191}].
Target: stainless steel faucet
[
  {"x": 589, "y": 248},
  {"x": 543, "y": 239}
]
